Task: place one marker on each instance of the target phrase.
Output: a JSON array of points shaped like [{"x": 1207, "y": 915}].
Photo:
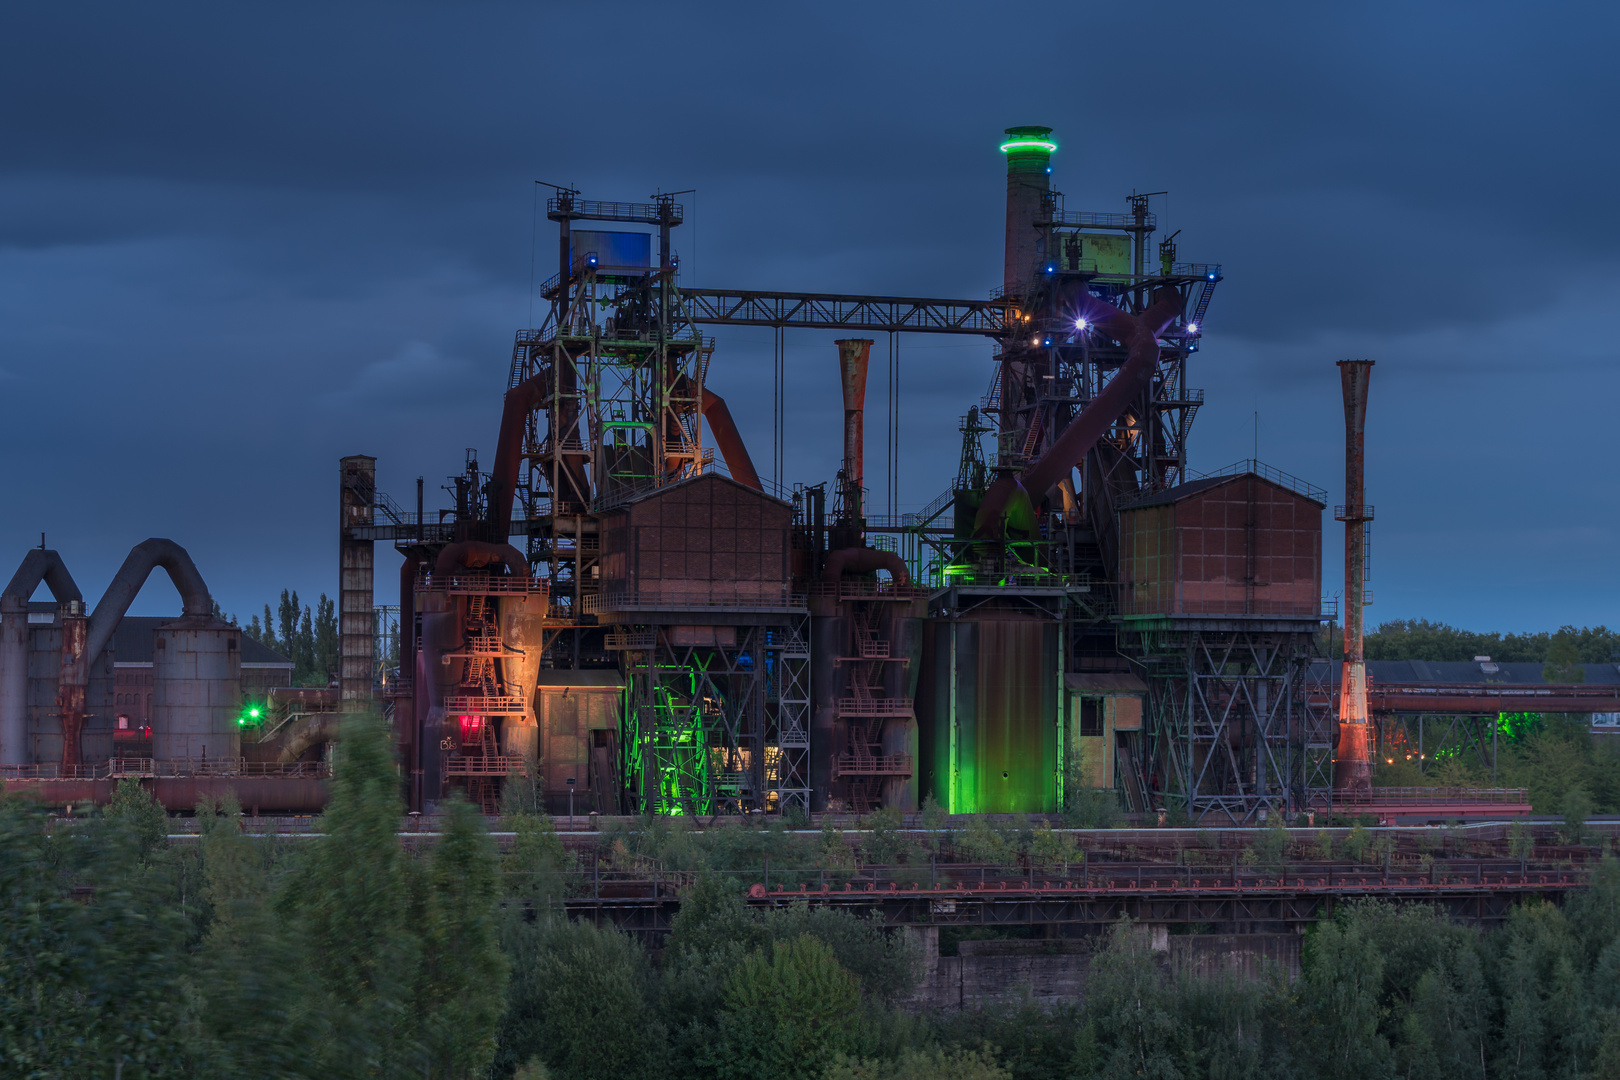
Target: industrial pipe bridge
[{"x": 1482, "y": 891}]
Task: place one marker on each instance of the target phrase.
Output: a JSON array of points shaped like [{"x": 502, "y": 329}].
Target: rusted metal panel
[{"x": 1241, "y": 546}]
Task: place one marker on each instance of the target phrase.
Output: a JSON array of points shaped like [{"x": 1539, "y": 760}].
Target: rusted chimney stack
[
  {"x": 854, "y": 356},
  {"x": 1352, "y": 769}
]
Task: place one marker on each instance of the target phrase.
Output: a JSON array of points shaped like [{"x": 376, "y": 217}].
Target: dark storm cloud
[{"x": 238, "y": 241}]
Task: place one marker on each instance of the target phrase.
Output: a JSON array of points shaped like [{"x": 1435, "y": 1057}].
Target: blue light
[
  {"x": 1213, "y": 276},
  {"x": 591, "y": 260},
  {"x": 1051, "y": 268}
]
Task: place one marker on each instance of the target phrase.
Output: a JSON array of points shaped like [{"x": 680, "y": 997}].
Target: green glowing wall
[{"x": 1003, "y": 714}]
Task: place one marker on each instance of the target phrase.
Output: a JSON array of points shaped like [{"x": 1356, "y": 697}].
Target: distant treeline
[
  {"x": 1420, "y": 639},
  {"x": 308, "y": 638}
]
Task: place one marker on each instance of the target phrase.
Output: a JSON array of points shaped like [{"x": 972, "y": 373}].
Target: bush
[
  {"x": 788, "y": 1013},
  {"x": 986, "y": 842},
  {"x": 932, "y": 1064},
  {"x": 1576, "y": 806}
]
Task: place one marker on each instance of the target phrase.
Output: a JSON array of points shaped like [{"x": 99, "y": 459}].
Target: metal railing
[
  {"x": 485, "y": 704},
  {"x": 858, "y": 589},
  {"x": 117, "y": 768},
  {"x": 872, "y": 765},
  {"x": 485, "y": 765},
  {"x": 736, "y": 595},
  {"x": 1436, "y": 796},
  {"x": 1261, "y": 469},
  {"x": 480, "y": 584},
  {"x": 872, "y": 706}
]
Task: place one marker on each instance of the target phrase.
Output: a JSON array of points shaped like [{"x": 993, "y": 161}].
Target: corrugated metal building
[{"x": 1224, "y": 545}]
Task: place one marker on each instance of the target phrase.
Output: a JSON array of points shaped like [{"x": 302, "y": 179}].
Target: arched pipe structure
[
  {"x": 143, "y": 558},
  {"x": 40, "y": 565},
  {"x": 864, "y": 560},
  {"x": 729, "y": 440},
  {"x": 530, "y": 394},
  {"x": 1140, "y": 335}
]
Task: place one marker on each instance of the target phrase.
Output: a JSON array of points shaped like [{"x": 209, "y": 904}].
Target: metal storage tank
[{"x": 196, "y": 689}]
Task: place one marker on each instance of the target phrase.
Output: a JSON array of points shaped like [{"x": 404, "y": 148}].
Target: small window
[{"x": 1091, "y": 716}]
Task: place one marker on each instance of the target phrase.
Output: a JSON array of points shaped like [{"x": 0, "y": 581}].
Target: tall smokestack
[
  {"x": 854, "y": 356},
  {"x": 1353, "y": 765},
  {"x": 1029, "y": 181}
]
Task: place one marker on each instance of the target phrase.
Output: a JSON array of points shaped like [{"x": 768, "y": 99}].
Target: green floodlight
[
  {"x": 250, "y": 716},
  {"x": 1028, "y": 144}
]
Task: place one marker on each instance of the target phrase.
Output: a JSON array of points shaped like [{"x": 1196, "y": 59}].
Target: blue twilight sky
[{"x": 238, "y": 241}]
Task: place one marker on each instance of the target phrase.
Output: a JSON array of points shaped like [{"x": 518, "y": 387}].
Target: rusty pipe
[
  {"x": 729, "y": 440},
  {"x": 71, "y": 680},
  {"x": 478, "y": 553},
  {"x": 864, "y": 560},
  {"x": 521, "y": 400},
  {"x": 407, "y": 614},
  {"x": 1352, "y": 767},
  {"x": 39, "y": 565},
  {"x": 854, "y": 357},
  {"x": 1140, "y": 335}
]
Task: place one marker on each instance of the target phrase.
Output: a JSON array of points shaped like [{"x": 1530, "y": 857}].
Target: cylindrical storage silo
[{"x": 196, "y": 690}]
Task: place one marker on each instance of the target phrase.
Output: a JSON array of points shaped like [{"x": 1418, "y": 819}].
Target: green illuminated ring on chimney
[{"x": 1028, "y": 144}]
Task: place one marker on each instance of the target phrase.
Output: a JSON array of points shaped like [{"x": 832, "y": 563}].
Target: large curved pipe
[
  {"x": 729, "y": 440},
  {"x": 1140, "y": 335},
  {"x": 38, "y": 565},
  {"x": 520, "y": 401},
  {"x": 314, "y": 729},
  {"x": 478, "y": 553},
  {"x": 864, "y": 560},
  {"x": 143, "y": 558}
]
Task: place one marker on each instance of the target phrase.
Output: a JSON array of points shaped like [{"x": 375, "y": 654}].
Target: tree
[
  {"x": 1130, "y": 1029},
  {"x": 304, "y": 660},
  {"x": 578, "y": 1000},
  {"x": 327, "y": 646},
  {"x": 349, "y": 908},
  {"x": 247, "y": 981},
  {"x": 1563, "y": 663},
  {"x": 789, "y": 1011},
  {"x": 1343, "y": 978},
  {"x": 461, "y": 980},
  {"x": 287, "y": 622},
  {"x": 89, "y": 985}
]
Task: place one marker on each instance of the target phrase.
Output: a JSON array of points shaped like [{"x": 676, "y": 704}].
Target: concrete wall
[{"x": 1055, "y": 970}]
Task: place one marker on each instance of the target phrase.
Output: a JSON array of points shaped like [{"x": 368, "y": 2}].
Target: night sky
[{"x": 238, "y": 241}]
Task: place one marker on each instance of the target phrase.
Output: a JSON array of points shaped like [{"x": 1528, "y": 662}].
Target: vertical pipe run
[
  {"x": 71, "y": 681},
  {"x": 1353, "y": 764}
]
